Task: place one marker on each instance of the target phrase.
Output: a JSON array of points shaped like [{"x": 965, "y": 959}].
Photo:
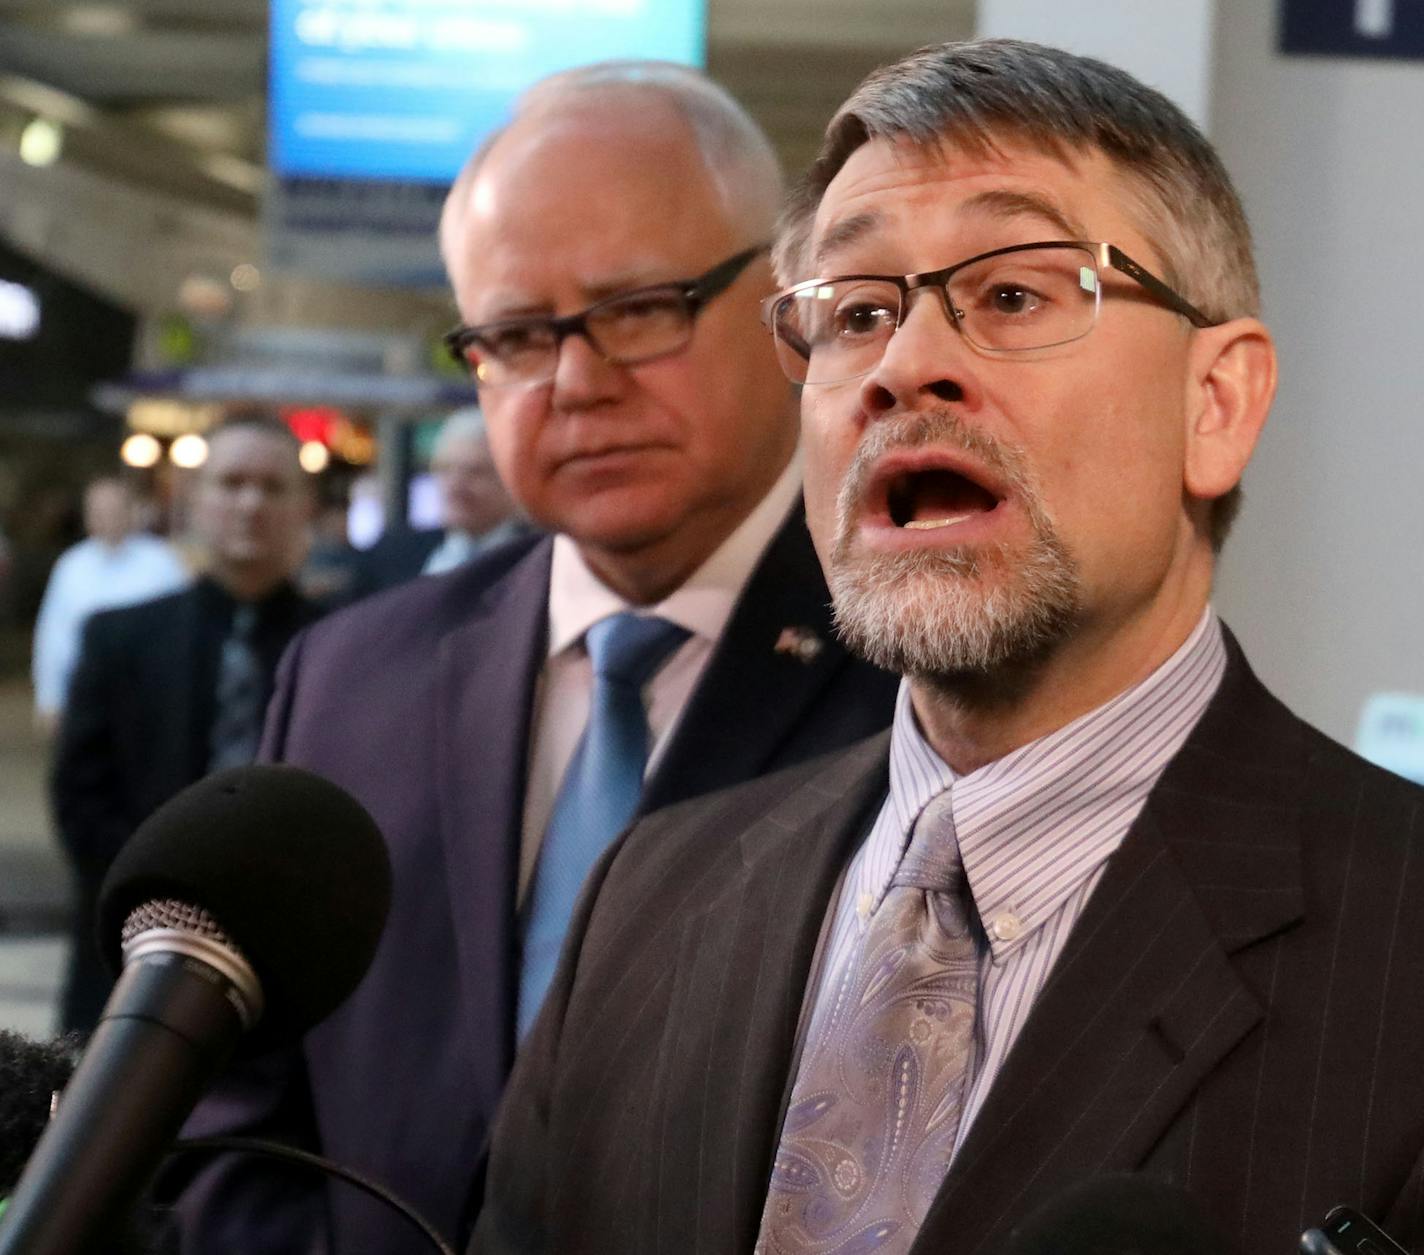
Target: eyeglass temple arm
[
  {"x": 720, "y": 279},
  {"x": 1121, "y": 261}
]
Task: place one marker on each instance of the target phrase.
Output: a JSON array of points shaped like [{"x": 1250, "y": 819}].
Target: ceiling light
[
  {"x": 140, "y": 450},
  {"x": 41, "y": 142},
  {"x": 314, "y": 457},
  {"x": 189, "y": 451},
  {"x": 98, "y": 21}
]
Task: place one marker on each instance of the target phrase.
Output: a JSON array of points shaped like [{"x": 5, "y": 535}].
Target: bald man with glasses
[{"x": 608, "y": 252}]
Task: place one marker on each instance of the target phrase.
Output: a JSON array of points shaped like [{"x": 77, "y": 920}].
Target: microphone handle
[{"x": 167, "y": 1030}]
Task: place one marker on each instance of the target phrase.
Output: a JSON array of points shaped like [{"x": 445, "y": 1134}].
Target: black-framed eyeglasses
[
  {"x": 631, "y": 327},
  {"x": 1008, "y": 300}
]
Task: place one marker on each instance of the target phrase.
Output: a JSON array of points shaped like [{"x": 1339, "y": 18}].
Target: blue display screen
[{"x": 405, "y": 89}]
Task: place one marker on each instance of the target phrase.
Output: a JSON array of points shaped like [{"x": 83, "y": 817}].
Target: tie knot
[
  {"x": 628, "y": 648},
  {"x": 244, "y": 620},
  {"x": 931, "y": 860}
]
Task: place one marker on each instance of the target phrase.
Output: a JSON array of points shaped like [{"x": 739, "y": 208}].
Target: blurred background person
[
  {"x": 333, "y": 566},
  {"x": 115, "y": 565},
  {"x": 173, "y": 688},
  {"x": 477, "y": 511}
]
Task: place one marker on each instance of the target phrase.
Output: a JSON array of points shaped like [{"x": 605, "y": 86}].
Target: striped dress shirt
[{"x": 1035, "y": 829}]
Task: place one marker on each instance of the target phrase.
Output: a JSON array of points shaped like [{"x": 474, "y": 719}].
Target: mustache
[{"x": 935, "y": 427}]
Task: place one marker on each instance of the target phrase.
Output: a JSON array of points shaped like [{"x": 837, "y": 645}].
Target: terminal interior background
[{"x": 156, "y": 274}]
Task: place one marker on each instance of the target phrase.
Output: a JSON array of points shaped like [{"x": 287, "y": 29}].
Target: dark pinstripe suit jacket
[{"x": 1239, "y": 1010}]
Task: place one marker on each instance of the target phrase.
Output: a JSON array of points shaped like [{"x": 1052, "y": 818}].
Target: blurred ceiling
[{"x": 161, "y": 102}]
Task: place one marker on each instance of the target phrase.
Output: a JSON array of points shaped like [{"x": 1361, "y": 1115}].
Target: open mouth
[{"x": 935, "y": 497}]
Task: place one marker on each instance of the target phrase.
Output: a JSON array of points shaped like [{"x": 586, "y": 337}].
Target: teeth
[{"x": 926, "y": 525}]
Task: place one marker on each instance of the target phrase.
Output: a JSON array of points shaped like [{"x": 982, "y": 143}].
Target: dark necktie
[
  {"x": 874, "y": 1112},
  {"x": 237, "y": 717},
  {"x": 599, "y": 793}
]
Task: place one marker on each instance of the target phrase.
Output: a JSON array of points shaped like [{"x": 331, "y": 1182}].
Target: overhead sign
[
  {"x": 405, "y": 89},
  {"x": 1354, "y": 28},
  {"x": 358, "y": 231}
]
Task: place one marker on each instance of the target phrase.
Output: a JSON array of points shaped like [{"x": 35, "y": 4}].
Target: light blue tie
[{"x": 599, "y": 793}]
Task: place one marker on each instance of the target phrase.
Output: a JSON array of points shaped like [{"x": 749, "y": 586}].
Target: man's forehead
[
  {"x": 501, "y": 294},
  {"x": 588, "y": 211},
  {"x": 883, "y": 190},
  {"x": 250, "y": 452},
  {"x": 609, "y": 145}
]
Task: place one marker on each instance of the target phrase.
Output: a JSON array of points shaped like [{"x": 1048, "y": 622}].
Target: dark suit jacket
[
  {"x": 419, "y": 703},
  {"x": 1238, "y": 1010},
  {"x": 135, "y": 732},
  {"x": 399, "y": 554}
]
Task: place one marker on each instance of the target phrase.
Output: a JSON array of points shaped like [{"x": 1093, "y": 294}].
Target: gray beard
[{"x": 971, "y": 621}]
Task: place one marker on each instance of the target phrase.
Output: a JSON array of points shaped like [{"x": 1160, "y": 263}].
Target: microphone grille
[{"x": 182, "y": 917}]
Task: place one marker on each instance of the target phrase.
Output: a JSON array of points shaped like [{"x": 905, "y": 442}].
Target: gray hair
[
  {"x": 739, "y": 158},
  {"x": 978, "y": 94}
]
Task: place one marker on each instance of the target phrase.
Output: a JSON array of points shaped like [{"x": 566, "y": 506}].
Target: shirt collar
[
  {"x": 702, "y": 604},
  {"x": 1034, "y": 825}
]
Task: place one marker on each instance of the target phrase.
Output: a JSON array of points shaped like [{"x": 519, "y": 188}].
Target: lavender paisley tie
[{"x": 875, "y": 1109}]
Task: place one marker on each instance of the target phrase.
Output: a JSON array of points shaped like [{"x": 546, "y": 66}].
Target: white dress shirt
[
  {"x": 94, "y": 576},
  {"x": 578, "y": 600}
]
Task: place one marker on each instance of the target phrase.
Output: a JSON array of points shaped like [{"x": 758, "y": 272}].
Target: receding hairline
[
  {"x": 740, "y": 163},
  {"x": 793, "y": 249}
]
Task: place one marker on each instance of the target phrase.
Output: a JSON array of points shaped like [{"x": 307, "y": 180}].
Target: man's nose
[
  {"x": 926, "y": 360},
  {"x": 582, "y": 375}
]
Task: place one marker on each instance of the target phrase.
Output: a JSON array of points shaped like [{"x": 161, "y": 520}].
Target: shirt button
[{"x": 1006, "y": 927}]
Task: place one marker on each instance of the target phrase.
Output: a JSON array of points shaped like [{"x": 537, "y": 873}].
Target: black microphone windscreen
[
  {"x": 1118, "y": 1214},
  {"x": 290, "y": 866},
  {"x": 30, "y": 1072}
]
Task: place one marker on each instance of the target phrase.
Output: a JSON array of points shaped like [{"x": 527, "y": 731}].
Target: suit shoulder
[
  {"x": 141, "y": 618},
  {"x": 1335, "y": 770},
  {"x": 427, "y": 606},
  {"x": 747, "y": 801}
]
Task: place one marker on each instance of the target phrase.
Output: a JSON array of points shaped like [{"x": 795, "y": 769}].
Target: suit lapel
[
  {"x": 1144, "y": 1000},
  {"x": 488, "y": 667},
  {"x": 775, "y": 655},
  {"x": 739, "y": 978}
]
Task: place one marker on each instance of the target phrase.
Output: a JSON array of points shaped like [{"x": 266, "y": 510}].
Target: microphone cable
[{"x": 315, "y": 1163}]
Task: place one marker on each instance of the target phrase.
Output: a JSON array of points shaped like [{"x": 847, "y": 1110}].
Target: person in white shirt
[{"x": 115, "y": 565}]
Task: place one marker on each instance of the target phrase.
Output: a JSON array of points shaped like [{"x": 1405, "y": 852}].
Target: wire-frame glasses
[{"x": 1009, "y": 300}]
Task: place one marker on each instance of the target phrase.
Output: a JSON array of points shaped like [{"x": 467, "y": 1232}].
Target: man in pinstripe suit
[{"x": 1188, "y": 927}]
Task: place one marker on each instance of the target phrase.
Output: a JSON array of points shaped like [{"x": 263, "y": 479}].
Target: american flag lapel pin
[{"x": 800, "y": 643}]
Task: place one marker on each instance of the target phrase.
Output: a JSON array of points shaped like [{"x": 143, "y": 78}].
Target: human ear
[{"x": 1231, "y": 383}]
